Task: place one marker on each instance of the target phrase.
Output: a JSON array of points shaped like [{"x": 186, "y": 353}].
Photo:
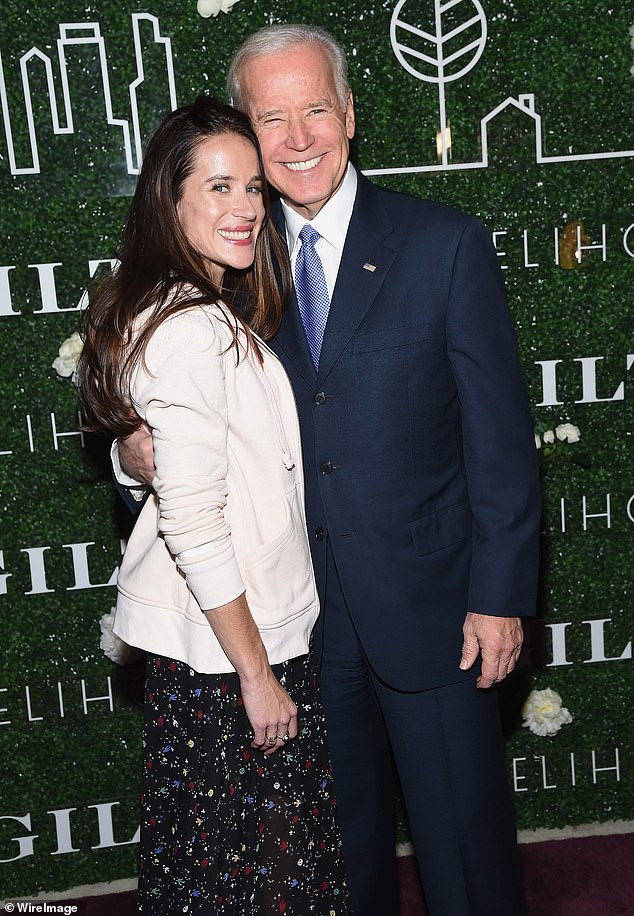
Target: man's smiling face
[{"x": 303, "y": 130}]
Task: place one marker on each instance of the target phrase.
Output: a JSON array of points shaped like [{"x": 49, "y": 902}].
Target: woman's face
[{"x": 221, "y": 208}]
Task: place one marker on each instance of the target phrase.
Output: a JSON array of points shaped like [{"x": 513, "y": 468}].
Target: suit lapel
[
  {"x": 365, "y": 264},
  {"x": 291, "y": 337}
]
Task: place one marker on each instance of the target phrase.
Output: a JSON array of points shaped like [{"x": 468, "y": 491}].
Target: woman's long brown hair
[{"x": 159, "y": 270}]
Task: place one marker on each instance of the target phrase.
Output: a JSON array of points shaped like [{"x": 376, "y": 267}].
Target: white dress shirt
[{"x": 331, "y": 223}]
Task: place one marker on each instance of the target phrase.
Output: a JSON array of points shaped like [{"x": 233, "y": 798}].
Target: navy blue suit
[{"x": 423, "y": 503}]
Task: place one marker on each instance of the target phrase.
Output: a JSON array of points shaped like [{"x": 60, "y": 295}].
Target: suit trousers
[{"x": 448, "y": 749}]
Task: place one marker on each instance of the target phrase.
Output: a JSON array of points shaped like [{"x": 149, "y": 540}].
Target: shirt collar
[{"x": 332, "y": 220}]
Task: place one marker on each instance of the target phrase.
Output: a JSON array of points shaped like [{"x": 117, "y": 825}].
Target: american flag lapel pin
[{"x": 370, "y": 267}]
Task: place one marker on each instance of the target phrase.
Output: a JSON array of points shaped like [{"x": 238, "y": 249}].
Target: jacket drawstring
[{"x": 287, "y": 458}]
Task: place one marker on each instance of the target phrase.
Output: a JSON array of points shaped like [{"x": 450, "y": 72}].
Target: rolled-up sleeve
[{"x": 180, "y": 393}]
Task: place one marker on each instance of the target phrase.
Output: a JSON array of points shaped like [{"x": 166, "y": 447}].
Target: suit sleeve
[{"x": 498, "y": 439}]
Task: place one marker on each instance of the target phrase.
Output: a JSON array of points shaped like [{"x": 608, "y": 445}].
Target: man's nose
[{"x": 299, "y": 135}]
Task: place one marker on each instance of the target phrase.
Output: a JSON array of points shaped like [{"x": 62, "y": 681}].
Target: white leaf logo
[
  {"x": 438, "y": 55},
  {"x": 438, "y": 42}
]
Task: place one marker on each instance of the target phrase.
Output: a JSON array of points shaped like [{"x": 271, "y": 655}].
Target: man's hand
[
  {"x": 499, "y": 639},
  {"x": 136, "y": 455}
]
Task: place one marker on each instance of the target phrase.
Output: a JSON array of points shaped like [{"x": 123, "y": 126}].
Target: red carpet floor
[{"x": 593, "y": 876}]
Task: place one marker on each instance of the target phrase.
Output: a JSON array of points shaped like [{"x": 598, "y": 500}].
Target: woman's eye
[
  {"x": 254, "y": 189},
  {"x": 219, "y": 187}
]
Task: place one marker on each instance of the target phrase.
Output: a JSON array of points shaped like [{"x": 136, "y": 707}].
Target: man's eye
[{"x": 219, "y": 187}]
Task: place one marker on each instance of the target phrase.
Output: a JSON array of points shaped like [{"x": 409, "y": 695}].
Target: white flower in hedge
[
  {"x": 111, "y": 645},
  {"x": 65, "y": 363},
  {"x": 207, "y": 8},
  {"x": 543, "y": 713},
  {"x": 549, "y": 436},
  {"x": 566, "y": 432},
  {"x": 538, "y": 441}
]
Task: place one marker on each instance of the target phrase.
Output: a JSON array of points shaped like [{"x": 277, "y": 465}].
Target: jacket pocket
[
  {"x": 279, "y": 577},
  {"x": 442, "y": 528},
  {"x": 389, "y": 338}
]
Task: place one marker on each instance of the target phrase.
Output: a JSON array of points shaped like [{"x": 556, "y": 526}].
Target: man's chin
[{"x": 301, "y": 198}]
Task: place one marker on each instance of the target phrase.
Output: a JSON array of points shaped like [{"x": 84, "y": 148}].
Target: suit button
[
  {"x": 327, "y": 467},
  {"x": 319, "y": 534},
  {"x": 320, "y": 398}
]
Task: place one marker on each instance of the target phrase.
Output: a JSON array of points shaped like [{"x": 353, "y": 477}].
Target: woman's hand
[{"x": 270, "y": 710}]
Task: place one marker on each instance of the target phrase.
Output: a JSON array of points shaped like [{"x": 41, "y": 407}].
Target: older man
[{"x": 424, "y": 527}]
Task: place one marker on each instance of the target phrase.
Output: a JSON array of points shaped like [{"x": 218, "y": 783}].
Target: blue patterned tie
[{"x": 312, "y": 292}]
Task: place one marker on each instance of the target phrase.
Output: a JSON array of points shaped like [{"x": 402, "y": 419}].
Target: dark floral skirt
[{"x": 224, "y": 829}]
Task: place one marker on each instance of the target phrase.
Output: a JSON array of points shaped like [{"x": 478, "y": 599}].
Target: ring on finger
[
  {"x": 270, "y": 741},
  {"x": 284, "y": 738}
]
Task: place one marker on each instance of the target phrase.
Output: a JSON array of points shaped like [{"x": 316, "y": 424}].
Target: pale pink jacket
[{"x": 227, "y": 513}]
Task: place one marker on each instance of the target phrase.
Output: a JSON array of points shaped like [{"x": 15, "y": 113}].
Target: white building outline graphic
[
  {"x": 89, "y": 33},
  {"x": 526, "y": 104}
]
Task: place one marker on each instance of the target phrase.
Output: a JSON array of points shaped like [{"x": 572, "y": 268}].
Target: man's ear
[{"x": 350, "y": 119}]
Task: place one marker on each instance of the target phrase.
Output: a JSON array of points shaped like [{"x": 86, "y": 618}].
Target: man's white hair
[{"x": 274, "y": 38}]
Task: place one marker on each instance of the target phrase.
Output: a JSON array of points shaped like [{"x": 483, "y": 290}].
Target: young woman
[{"x": 216, "y": 583}]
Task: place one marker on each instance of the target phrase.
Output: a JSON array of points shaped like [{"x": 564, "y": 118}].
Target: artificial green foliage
[{"x": 576, "y": 58}]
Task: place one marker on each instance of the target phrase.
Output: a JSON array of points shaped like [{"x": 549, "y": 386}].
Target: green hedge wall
[{"x": 72, "y": 762}]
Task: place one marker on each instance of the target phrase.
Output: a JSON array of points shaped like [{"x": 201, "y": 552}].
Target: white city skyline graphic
[
  {"x": 429, "y": 51},
  {"x": 85, "y": 33}
]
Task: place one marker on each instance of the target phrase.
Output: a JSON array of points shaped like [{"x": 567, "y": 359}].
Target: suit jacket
[{"x": 419, "y": 453}]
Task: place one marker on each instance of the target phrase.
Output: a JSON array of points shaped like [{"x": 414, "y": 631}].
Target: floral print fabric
[{"x": 226, "y": 830}]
